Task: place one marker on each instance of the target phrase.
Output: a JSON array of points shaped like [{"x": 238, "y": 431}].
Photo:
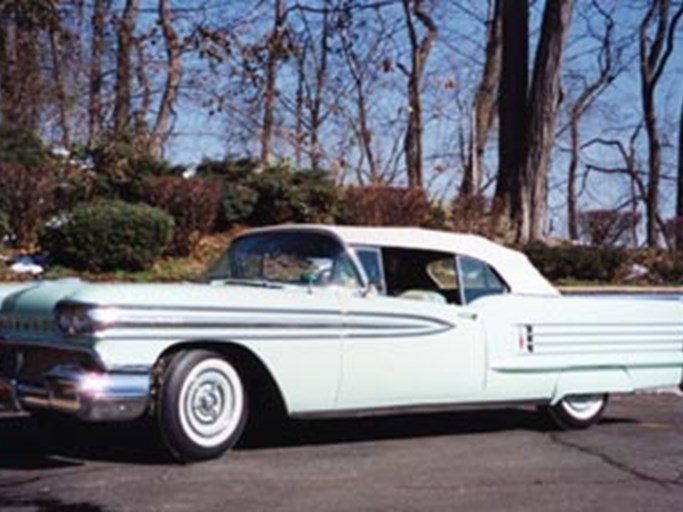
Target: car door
[{"x": 409, "y": 342}]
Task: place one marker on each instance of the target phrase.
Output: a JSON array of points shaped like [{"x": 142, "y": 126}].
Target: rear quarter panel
[{"x": 547, "y": 347}]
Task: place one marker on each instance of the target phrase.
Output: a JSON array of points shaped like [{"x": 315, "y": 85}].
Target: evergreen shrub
[
  {"x": 108, "y": 235},
  {"x": 21, "y": 146},
  {"x": 578, "y": 262},
  {"x": 239, "y": 196},
  {"x": 120, "y": 170},
  {"x": 285, "y": 195},
  {"x": 261, "y": 196}
]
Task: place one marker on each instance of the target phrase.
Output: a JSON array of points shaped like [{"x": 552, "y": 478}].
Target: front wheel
[
  {"x": 577, "y": 411},
  {"x": 201, "y": 405}
]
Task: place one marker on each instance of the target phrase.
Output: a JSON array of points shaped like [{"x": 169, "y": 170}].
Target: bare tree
[
  {"x": 524, "y": 154},
  {"x": 313, "y": 57},
  {"x": 358, "y": 68},
  {"x": 512, "y": 107},
  {"x": 543, "y": 106},
  {"x": 274, "y": 54},
  {"x": 485, "y": 102},
  {"x": 22, "y": 84},
  {"x": 589, "y": 92},
  {"x": 679, "y": 188},
  {"x": 122, "y": 88},
  {"x": 318, "y": 88},
  {"x": 655, "y": 51},
  {"x": 160, "y": 131},
  {"x": 143, "y": 93},
  {"x": 608, "y": 227},
  {"x": 299, "y": 137},
  {"x": 631, "y": 168},
  {"x": 58, "y": 78},
  {"x": 419, "y": 52},
  {"x": 97, "y": 48}
]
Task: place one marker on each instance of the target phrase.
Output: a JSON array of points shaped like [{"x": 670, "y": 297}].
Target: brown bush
[
  {"x": 193, "y": 203},
  {"x": 608, "y": 227},
  {"x": 27, "y": 197},
  {"x": 385, "y": 206},
  {"x": 469, "y": 214},
  {"x": 479, "y": 215}
]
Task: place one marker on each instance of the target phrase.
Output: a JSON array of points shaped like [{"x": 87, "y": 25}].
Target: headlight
[{"x": 74, "y": 318}]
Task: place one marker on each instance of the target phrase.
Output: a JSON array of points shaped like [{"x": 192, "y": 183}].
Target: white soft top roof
[{"x": 513, "y": 266}]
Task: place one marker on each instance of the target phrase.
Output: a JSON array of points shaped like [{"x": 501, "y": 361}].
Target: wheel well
[{"x": 263, "y": 392}]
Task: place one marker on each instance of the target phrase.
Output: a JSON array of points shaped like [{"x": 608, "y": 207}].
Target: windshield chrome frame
[{"x": 363, "y": 282}]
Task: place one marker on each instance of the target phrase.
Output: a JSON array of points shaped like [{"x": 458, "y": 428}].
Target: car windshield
[{"x": 285, "y": 258}]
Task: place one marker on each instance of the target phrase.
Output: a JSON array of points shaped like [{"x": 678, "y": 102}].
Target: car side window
[
  {"x": 478, "y": 279},
  {"x": 420, "y": 274},
  {"x": 371, "y": 260}
]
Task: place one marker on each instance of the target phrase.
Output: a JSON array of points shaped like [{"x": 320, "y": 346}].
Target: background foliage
[
  {"x": 108, "y": 235},
  {"x": 404, "y": 112}
]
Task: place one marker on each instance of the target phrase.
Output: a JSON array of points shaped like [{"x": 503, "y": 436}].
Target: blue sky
[{"x": 456, "y": 56}]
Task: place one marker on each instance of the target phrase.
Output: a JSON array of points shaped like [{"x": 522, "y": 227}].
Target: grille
[{"x": 30, "y": 363}]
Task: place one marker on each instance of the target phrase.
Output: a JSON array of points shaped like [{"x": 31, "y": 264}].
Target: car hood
[
  {"x": 35, "y": 298},
  {"x": 40, "y": 298}
]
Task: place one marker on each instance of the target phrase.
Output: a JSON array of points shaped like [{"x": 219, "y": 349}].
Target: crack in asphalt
[
  {"x": 624, "y": 468},
  {"x": 511, "y": 485},
  {"x": 18, "y": 482}
]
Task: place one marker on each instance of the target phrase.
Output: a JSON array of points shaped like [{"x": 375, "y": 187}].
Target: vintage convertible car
[{"x": 330, "y": 321}]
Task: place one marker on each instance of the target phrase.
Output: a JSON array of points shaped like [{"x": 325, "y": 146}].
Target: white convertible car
[{"x": 330, "y": 321}]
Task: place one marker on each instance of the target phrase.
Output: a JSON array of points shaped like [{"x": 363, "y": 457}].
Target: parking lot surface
[{"x": 468, "y": 460}]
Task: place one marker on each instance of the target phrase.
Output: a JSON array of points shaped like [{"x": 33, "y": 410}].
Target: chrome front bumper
[{"x": 90, "y": 396}]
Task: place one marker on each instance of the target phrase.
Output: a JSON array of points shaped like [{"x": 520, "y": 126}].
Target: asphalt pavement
[{"x": 472, "y": 461}]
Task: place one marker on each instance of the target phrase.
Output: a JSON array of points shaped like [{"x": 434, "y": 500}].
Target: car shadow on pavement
[
  {"x": 400, "y": 426},
  {"x": 27, "y": 445}
]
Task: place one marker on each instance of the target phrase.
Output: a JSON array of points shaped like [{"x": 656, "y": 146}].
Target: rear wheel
[
  {"x": 577, "y": 411},
  {"x": 201, "y": 405}
]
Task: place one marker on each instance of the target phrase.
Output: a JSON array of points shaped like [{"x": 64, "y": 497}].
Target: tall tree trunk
[
  {"x": 512, "y": 109},
  {"x": 420, "y": 49},
  {"x": 6, "y": 68},
  {"x": 274, "y": 50},
  {"x": 95, "y": 79},
  {"x": 485, "y": 103},
  {"x": 320, "y": 79},
  {"x": 21, "y": 86},
  {"x": 122, "y": 87},
  {"x": 138, "y": 127},
  {"x": 654, "y": 159},
  {"x": 364, "y": 130},
  {"x": 583, "y": 101},
  {"x": 173, "y": 75},
  {"x": 572, "y": 210},
  {"x": 679, "y": 196},
  {"x": 58, "y": 77},
  {"x": 543, "y": 106},
  {"x": 653, "y": 59},
  {"x": 299, "y": 103}
]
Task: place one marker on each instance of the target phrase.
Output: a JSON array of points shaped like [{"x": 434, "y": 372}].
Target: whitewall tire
[
  {"x": 202, "y": 405},
  {"x": 577, "y": 411}
]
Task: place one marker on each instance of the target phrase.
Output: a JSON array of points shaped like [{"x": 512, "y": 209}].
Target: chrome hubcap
[
  {"x": 583, "y": 407},
  {"x": 208, "y": 403},
  {"x": 211, "y": 402}
]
